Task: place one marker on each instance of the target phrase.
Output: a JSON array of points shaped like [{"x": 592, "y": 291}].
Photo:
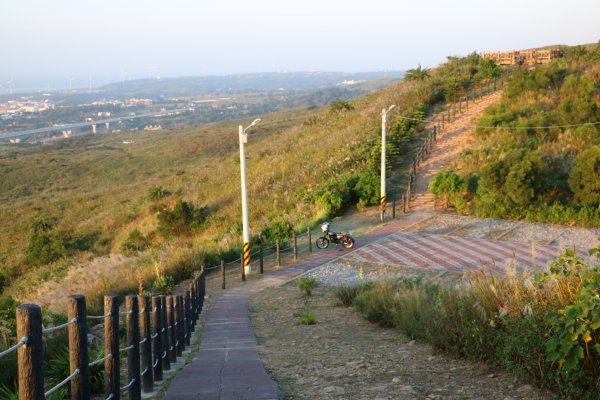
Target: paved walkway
[
  {"x": 455, "y": 253},
  {"x": 228, "y": 367}
]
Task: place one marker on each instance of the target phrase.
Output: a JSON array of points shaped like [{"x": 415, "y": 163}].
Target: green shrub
[
  {"x": 367, "y": 189},
  {"x": 339, "y": 105},
  {"x": 445, "y": 184},
  {"x": 184, "y": 219},
  {"x": 157, "y": 193},
  {"x": 347, "y": 294},
  {"x": 135, "y": 242},
  {"x": 47, "y": 247},
  {"x": 307, "y": 284},
  {"x": 307, "y": 318}
]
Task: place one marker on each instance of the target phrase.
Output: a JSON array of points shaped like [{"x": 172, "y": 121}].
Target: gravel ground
[
  {"x": 345, "y": 272},
  {"x": 344, "y": 357}
]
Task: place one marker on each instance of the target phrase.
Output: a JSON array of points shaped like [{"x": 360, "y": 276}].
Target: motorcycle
[{"x": 343, "y": 238}]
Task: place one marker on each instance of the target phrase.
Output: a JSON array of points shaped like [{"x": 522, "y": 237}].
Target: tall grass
[{"x": 516, "y": 321}]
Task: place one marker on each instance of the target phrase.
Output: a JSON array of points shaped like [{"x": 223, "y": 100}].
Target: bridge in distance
[{"x": 63, "y": 127}]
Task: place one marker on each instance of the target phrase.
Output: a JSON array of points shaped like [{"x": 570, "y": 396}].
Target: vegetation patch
[{"x": 544, "y": 327}]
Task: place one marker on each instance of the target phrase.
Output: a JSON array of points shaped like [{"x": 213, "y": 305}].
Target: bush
[
  {"x": 307, "y": 318},
  {"x": 367, "y": 189},
  {"x": 184, "y": 219},
  {"x": 584, "y": 179},
  {"x": 347, "y": 294},
  {"x": 157, "y": 193},
  {"x": 46, "y": 247},
  {"x": 445, "y": 184},
  {"x": 135, "y": 242},
  {"x": 307, "y": 284},
  {"x": 339, "y": 105}
]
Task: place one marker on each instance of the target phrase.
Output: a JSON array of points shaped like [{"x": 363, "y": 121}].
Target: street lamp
[
  {"x": 245, "y": 224},
  {"x": 384, "y": 118}
]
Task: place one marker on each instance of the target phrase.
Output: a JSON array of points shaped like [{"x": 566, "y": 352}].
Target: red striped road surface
[{"x": 455, "y": 253}]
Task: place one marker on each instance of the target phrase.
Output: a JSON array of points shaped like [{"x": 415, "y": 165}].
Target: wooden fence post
[
  {"x": 309, "y": 240},
  {"x": 467, "y": 99},
  {"x": 243, "y": 269},
  {"x": 222, "y": 274},
  {"x": 177, "y": 300},
  {"x": 404, "y": 203},
  {"x": 187, "y": 317},
  {"x": 393, "y": 209},
  {"x": 112, "y": 365},
  {"x": 193, "y": 306},
  {"x": 277, "y": 253},
  {"x": 171, "y": 328},
  {"x": 261, "y": 259},
  {"x": 78, "y": 348},
  {"x": 157, "y": 349},
  {"x": 295, "y": 246},
  {"x": 166, "y": 334},
  {"x": 133, "y": 342},
  {"x": 202, "y": 289},
  {"x": 30, "y": 357},
  {"x": 146, "y": 347}
]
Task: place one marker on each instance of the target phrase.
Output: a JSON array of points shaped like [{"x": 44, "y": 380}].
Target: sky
[{"x": 94, "y": 42}]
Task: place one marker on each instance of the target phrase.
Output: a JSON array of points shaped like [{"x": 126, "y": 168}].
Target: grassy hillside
[{"x": 74, "y": 200}]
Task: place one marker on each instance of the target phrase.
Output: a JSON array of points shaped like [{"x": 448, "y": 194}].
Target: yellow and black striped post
[
  {"x": 246, "y": 255},
  {"x": 383, "y": 201}
]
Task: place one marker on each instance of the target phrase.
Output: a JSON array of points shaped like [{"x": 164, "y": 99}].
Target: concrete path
[{"x": 228, "y": 367}]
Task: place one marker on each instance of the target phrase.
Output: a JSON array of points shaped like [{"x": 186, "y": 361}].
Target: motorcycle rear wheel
[
  {"x": 322, "y": 243},
  {"x": 348, "y": 242}
]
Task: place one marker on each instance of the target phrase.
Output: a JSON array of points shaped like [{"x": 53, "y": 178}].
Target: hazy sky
[{"x": 109, "y": 39}]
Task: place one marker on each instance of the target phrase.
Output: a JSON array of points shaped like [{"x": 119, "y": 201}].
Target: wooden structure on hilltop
[{"x": 523, "y": 57}]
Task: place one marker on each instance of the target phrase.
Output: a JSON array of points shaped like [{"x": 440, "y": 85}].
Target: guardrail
[{"x": 153, "y": 343}]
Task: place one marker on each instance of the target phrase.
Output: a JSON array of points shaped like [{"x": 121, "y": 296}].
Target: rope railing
[
  {"x": 99, "y": 316},
  {"x": 58, "y": 327},
  {"x": 63, "y": 383},
  {"x": 16, "y": 347},
  {"x": 126, "y": 387},
  {"x": 100, "y": 360}
]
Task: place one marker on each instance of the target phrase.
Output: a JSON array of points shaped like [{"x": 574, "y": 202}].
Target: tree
[
  {"x": 487, "y": 69},
  {"x": 446, "y": 183},
  {"x": 524, "y": 180},
  {"x": 584, "y": 179},
  {"x": 452, "y": 91},
  {"x": 417, "y": 74},
  {"x": 339, "y": 105}
]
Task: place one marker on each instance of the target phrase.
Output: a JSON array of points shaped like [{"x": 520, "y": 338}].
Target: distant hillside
[{"x": 188, "y": 86}]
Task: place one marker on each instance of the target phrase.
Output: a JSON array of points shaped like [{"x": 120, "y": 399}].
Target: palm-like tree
[{"x": 417, "y": 74}]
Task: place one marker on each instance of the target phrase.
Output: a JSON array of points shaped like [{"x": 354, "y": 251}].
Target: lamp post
[
  {"x": 245, "y": 224},
  {"x": 384, "y": 118}
]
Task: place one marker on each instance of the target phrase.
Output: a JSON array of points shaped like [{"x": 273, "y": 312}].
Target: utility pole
[
  {"x": 245, "y": 224},
  {"x": 384, "y": 118}
]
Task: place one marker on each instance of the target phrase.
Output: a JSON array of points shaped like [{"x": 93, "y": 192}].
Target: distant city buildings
[{"x": 24, "y": 106}]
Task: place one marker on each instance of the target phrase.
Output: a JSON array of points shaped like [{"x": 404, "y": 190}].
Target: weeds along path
[{"x": 457, "y": 137}]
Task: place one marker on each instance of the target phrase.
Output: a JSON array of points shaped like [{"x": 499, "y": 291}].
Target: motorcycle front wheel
[
  {"x": 322, "y": 243},
  {"x": 348, "y": 242}
]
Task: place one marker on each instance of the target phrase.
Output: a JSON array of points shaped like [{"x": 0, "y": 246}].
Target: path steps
[{"x": 450, "y": 143}]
